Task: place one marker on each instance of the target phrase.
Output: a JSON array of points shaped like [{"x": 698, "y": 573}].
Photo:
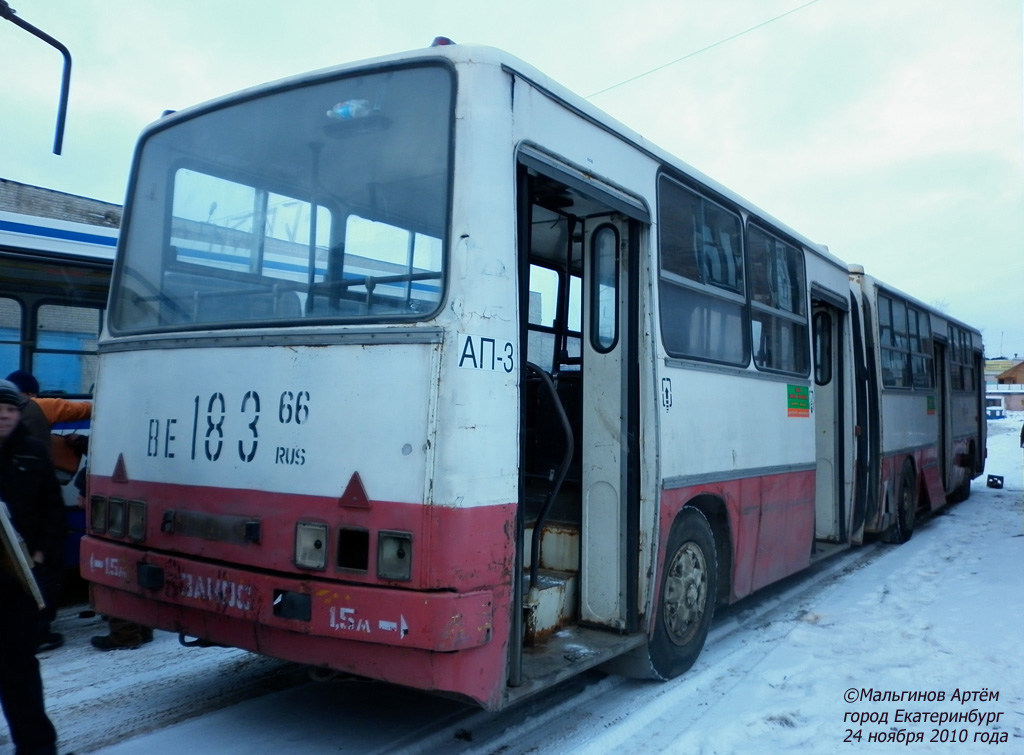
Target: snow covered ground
[{"x": 942, "y": 615}]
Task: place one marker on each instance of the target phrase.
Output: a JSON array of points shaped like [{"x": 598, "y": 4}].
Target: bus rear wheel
[
  {"x": 689, "y": 585},
  {"x": 906, "y": 509},
  {"x": 963, "y": 491}
]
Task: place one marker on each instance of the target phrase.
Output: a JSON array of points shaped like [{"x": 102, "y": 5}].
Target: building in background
[{"x": 1004, "y": 389}]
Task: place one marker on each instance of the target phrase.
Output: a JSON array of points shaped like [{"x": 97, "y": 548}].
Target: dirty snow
[{"x": 941, "y": 614}]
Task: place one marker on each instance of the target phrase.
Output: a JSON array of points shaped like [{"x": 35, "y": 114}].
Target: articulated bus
[
  {"x": 924, "y": 406},
  {"x": 425, "y": 370}
]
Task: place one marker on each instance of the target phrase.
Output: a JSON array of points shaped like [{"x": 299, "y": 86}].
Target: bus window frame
[
  {"x": 821, "y": 332},
  {"x": 122, "y": 272},
  {"x": 24, "y": 350},
  {"x": 36, "y": 350},
  {"x": 963, "y": 378},
  {"x": 732, "y": 302},
  {"x": 599, "y": 292},
  {"x": 800, "y": 320},
  {"x": 568, "y": 285},
  {"x": 914, "y": 379}
]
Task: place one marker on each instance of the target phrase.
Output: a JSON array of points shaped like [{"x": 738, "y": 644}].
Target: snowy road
[
  {"x": 100, "y": 700},
  {"x": 941, "y": 614}
]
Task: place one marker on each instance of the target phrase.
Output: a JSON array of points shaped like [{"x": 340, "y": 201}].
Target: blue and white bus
[{"x": 54, "y": 280}]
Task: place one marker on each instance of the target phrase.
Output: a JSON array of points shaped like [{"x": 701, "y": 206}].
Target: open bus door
[
  {"x": 610, "y": 429},
  {"x": 579, "y": 479}
]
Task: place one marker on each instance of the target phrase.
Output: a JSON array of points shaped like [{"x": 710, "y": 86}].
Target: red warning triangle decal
[
  {"x": 355, "y": 494},
  {"x": 120, "y": 473}
]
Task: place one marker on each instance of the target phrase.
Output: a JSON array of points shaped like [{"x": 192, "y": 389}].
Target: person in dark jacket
[
  {"x": 32, "y": 415},
  {"x": 39, "y": 421},
  {"x": 30, "y": 490}
]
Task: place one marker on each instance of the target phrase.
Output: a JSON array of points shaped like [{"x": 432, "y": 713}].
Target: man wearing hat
[
  {"x": 29, "y": 488},
  {"x": 41, "y": 414},
  {"x": 31, "y": 414}
]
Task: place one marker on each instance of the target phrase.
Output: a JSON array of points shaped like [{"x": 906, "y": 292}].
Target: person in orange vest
[{"x": 42, "y": 413}]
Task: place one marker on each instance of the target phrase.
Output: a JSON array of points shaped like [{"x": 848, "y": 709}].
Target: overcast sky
[{"x": 890, "y": 130}]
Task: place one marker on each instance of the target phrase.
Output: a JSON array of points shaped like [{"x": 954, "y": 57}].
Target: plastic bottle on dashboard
[{"x": 350, "y": 110}]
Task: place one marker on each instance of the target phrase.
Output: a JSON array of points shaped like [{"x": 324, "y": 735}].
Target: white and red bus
[
  {"x": 425, "y": 370},
  {"x": 923, "y": 406}
]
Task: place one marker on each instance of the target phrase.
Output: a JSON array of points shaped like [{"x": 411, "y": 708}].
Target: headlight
[
  {"x": 310, "y": 545},
  {"x": 115, "y": 517},
  {"x": 136, "y": 521},
  {"x": 98, "y": 514}
]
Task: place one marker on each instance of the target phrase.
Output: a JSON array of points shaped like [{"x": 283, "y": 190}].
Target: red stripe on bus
[{"x": 771, "y": 524}]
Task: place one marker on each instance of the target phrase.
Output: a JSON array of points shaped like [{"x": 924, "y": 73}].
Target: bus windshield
[{"x": 312, "y": 204}]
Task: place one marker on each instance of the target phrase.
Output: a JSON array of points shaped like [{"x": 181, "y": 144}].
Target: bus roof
[
  {"x": 483, "y": 55},
  {"x": 933, "y": 312},
  {"x": 21, "y": 233}
]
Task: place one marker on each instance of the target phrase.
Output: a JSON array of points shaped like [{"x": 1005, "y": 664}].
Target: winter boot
[{"x": 124, "y": 635}]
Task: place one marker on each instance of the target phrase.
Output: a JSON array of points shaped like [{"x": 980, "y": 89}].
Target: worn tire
[
  {"x": 906, "y": 508},
  {"x": 686, "y": 604}
]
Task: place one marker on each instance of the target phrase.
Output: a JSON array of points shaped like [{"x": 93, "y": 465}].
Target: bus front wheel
[{"x": 689, "y": 585}]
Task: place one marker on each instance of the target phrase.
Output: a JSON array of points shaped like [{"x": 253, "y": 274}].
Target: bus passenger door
[
  {"x": 609, "y": 425},
  {"x": 579, "y": 512},
  {"x": 830, "y": 512},
  {"x": 942, "y": 410}
]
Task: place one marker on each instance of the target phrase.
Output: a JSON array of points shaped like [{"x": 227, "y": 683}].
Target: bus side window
[
  {"x": 777, "y": 303},
  {"x": 604, "y": 298},
  {"x": 543, "y": 303},
  {"x": 700, "y": 277},
  {"x": 10, "y": 333},
  {"x": 822, "y": 348}
]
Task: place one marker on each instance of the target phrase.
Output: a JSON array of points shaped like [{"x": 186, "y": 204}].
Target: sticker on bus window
[{"x": 798, "y": 401}]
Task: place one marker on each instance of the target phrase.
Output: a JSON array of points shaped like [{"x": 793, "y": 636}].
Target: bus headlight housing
[
  {"x": 98, "y": 514},
  {"x": 136, "y": 521},
  {"x": 115, "y": 517},
  {"x": 394, "y": 555},
  {"x": 311, "y": 545}
]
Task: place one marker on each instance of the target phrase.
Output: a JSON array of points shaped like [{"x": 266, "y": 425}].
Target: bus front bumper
[{"x": 195, "y": 594}]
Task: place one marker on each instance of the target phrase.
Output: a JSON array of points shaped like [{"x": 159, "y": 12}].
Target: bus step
[{"x": 550, "y": 606}]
